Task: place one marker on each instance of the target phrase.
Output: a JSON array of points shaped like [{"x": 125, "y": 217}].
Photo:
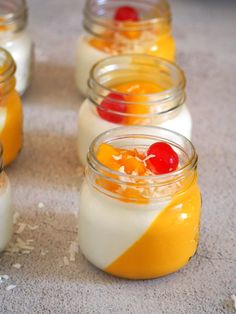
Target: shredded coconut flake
[
  {"x": 43, "y": 253},
  {"x": 122, "y": 169},
  {"x": 73, "y": 250},
  {"x": 66, "y": 261},
  {"x": 25, "y": 252},
  {"x": 22, "y": 245},
  {"x": 119, "y": 157},
  {"x": 41, "y": 205},
  {"x": 148, "y": 157},
  {"x": 137, "y": 158},
  {"x": 21, "y": 228},
  {"x": 10, "y": 287},
  {"x": 72, "y": 256},
  {"x": 33, "y": 227},
  {"x": 17, "y": 266},
  {"x": 133, "y": 87}
]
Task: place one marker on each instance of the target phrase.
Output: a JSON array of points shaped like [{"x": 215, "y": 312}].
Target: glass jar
[
  {"x": 11, "y": 116},
  {"x": 6, "y": 212},
  {"x": 104, "y": 36},
  {"x": 15, "y": 38},
  {"x": 140, "y": 237},
  {"x": 166, "y": 108}
]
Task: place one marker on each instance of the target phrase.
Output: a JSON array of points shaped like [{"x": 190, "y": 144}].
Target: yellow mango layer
[
  {"x": 163, "y": 48},
  {"x": 168, "y": 244},
  {"x": 136, "y": 91}
]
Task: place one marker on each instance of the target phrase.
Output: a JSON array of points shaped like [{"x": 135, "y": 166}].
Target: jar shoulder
[
  {"x": 16, "y": 39},
  {"x": 87, "y": 51},
  {"x": 180, "y": 121}
]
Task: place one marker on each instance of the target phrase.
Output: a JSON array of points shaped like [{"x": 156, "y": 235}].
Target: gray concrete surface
[{"x": 46, "y": 172}]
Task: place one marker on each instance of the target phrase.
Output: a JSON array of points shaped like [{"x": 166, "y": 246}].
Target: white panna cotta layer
[
  {"x": 90, "y": 125},
  {"x": 6, "y": 212},
  {"x": 109, "y": 227},
  {"x": 86, "y": 57}
]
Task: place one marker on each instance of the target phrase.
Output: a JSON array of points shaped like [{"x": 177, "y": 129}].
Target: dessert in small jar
[
  {"x": 140, "y": 202},
  {"x": 11, "y": 116},
  {"x": 115, "y": 27},
  {"x": 6, "y": 212},
  {"x": 132, "y": 90},
  {"x": 14, "y": 37}
]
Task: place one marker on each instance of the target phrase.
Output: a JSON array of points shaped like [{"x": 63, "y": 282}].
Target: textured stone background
[{"x": 46, "y": 172}]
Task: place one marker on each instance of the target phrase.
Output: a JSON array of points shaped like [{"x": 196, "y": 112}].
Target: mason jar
[
  {"x": 6, "y": 212},
  {"x": 165, "y": 108},
  {"x": 15, "y": 38},
  {"x": 150, "y": 33},
  {"x": 11, "y": 115},
  {"x": 140, "y": 227}
]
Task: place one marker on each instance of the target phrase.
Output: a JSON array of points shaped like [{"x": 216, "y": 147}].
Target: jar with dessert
[
  {"x": 132, "y": 90},
  {"x": 6, "y": 212},
  {"x": 15, "y": 38},
  {"x": 11, "y": 115},
  {"x": 140, "y": 202},
  {"x": 114, "y": 27}
]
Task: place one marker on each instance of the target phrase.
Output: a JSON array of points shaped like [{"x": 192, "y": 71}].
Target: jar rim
[
  {"x": 100, "y": 168},
  {"x": 16, "y": 15},
  {"x": 160, "y": 61},
  {"x": 97, "y": 90},
  {"x": 94, "y": 18}
]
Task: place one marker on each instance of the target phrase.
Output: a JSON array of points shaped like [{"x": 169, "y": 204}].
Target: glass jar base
[{"x": 142, "y": 276}]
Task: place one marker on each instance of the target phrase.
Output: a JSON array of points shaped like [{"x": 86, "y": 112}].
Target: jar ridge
[
  {"x": 153, "y": 188},
  {"x": 125, "y": 68},
  {"x": 98, "y": 18},
  {"x": 13, "y": 16}
]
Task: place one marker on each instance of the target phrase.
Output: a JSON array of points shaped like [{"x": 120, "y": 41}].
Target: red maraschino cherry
[
  {"x": 163, "y": 159},
  {"x": 126, "y": 13},
  {"x": 112, "y": 102}
]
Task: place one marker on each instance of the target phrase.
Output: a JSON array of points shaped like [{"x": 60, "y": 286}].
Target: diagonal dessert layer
[
  {"x": 167, "y": 244},
  {"x": 109, "y": 227}
]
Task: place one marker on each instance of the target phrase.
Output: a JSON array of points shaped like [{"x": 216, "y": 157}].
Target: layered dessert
[
  {"x": 112, "y": 29},
  {"x": 133, "y": 90},
  {"x": 11, "y": 116},
  {"x": 140, "y": 203}
]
